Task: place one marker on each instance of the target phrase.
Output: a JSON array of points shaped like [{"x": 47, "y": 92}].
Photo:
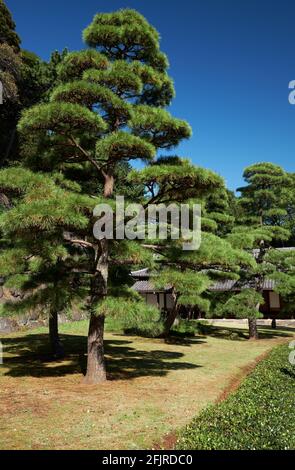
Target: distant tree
[
  {"x": 264, "y": 200},
  {"x": 288, "y": 194},
  {"x": 269, "y": 263},
  {"x": 219, "y": 212},
  {"x": 7, "y": 28},
  {"x": 10, "y": 66},
  {"x": 244, "y": 305},
  {"x": 260, "y": 227},
  {"x": 280, "y": 267},
  {"x": 189, "y": 274},
  {"x": 26, "y": 80}
]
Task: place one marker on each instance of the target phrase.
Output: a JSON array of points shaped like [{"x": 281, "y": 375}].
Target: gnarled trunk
[
  {"x": 253, "y": 331},
  {"x": 55, "y": 342}
]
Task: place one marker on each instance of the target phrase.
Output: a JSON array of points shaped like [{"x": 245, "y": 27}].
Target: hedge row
[{"x": 259, "y": 415}]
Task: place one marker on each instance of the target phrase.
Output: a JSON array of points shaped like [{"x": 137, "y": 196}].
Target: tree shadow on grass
[
  {"x": 29, "y": 356},
  {"x": 239, "y": 334},
  {"x": 183, "y": 339},
  {"x": 175, "y": 337}
]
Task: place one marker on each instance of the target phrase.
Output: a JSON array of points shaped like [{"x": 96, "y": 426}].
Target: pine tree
[
  {"x": 219, "y": 212},
  {"x": 266, "y": 195},
  {"x": 188, "y": 273},
  {"x": 278, "y": 265},
  {"x": 10, "y": 70},
  {"x": 26, "y": 80},
  {"x": 110, "y": 109},
  {"x": 288, "y": 195},
  {"x": 7, "y": 28},
  {"x": 260, "y": 227},
  {"x": 34, "y": 259}
]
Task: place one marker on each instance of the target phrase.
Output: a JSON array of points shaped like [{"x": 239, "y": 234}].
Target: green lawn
[{"x": 155, "y": 387}]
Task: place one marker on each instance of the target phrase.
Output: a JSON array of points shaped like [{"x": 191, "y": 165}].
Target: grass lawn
[{"x": 154, "y": 389}]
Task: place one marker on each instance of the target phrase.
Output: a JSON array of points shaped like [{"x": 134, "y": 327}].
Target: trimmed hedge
[{"x": 259, "y": 415}]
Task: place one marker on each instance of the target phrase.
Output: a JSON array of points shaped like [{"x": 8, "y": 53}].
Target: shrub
[
  {"x": 259, "y": 415},
  {"x": 191, "y": 327}
]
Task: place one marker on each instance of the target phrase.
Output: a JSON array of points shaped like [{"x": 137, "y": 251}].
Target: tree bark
[
  {"x": 55, "y": 342},
  {"x": 253, "y": 331},
  {"x": 170, "y": 319},
  {"x": 96, "y": 370},
  {"x": 10, "y": 144},
  {"x": 109, "y": 185}
]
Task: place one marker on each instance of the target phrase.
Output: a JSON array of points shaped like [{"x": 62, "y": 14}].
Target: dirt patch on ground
[
  {"x": 168, "y": 443},
  {"x": 236, "y": 381}
]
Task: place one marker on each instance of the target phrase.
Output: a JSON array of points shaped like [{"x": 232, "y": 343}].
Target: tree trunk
[
  {"x": 56, "y": 345},
  {"x": 109, "y": 185},
  {"x": 170, "y": 319},
  {"x": 253, "y": 331},
  {"x": 96, "y": 370},
  {"x": 169, "y": 322},
  {"x": 10, "y": 144}
]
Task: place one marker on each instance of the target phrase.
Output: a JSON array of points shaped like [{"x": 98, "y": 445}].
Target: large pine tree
[{"x": 110, "y": 109}]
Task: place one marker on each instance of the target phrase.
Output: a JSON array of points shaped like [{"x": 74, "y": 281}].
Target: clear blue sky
[{"x": 231, "y": 61}]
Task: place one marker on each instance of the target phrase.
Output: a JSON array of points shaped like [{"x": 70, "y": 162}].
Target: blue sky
[{"x": 231, "y": 61}]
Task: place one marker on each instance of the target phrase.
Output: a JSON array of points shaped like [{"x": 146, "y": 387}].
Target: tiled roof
[
  {"x": 140, "y": 273},
  {"x": 227, "y": 285},
  {"x": 221, "y": 286},
  {"x": 146, "y": 287}
]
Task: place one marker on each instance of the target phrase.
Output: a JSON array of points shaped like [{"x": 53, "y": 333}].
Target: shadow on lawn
[
  {"x": 29, "y": 356},
  {"x": 238, "y": 334}
]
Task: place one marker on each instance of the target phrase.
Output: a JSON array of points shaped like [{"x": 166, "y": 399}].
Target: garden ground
[{"x": 154, "y": 387}]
